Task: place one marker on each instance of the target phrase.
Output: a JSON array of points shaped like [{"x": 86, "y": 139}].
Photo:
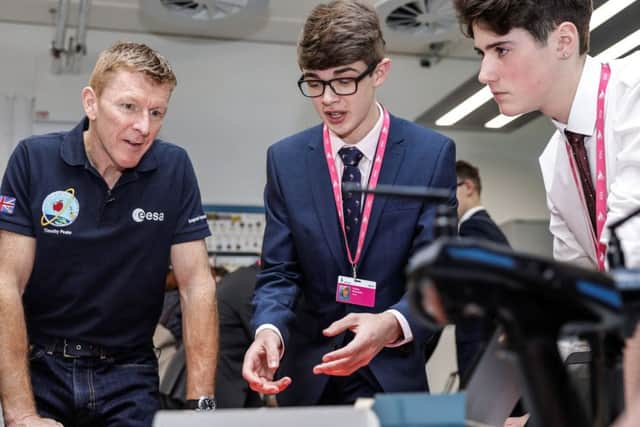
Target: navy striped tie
[{"x": 351, "y": 156}]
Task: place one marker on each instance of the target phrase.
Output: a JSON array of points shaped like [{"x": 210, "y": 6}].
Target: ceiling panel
[{"x": 283, "y": 19}]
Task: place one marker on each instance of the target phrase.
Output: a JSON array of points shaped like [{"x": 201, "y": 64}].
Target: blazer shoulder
[
  {"x": 482, "y": 226},
  {"x": 298, "y": 141},
  {"x": 425, "y": 133},
  {"x": 419, "y": 134}
]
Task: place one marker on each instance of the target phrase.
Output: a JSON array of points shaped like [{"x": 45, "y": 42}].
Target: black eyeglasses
[{"x": 341, "y": 86}]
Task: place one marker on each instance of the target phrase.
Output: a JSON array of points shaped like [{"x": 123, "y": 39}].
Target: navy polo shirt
[{"x": 101, "y": 255}]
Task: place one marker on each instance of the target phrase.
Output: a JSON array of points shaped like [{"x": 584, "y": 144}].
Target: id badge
[{"x": 356, "y": 291}]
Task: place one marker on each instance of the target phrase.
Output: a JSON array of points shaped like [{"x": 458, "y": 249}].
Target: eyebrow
[
  {"x": 335, "y": 73},
  {"x": 132, "y": 99},
  {"x": 491, "y": 46},
  {"x": 344, "y": 70}
]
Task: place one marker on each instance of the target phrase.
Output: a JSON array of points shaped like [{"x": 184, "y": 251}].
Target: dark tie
[
  {"x": 576, "y": 141},
  {"x": 351, "y": 156}
]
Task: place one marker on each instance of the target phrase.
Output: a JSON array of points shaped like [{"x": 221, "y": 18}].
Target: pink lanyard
[
  {"x": 601, "y": 168},
  {"x": 373, "y": 181}
]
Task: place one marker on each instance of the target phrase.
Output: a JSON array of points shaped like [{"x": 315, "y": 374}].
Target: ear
[
  {"x": 89, "y": 102},
  {"x": 468, "y": 186},
  {"x": 566, "y": 40},
  {"x": 381, "y": 72}
]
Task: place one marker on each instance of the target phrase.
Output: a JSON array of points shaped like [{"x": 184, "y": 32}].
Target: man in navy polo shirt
[{"x": 89, "y": 221}]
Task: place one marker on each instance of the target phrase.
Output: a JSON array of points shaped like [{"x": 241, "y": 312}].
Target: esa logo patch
[{"x": 139, "y": 215}]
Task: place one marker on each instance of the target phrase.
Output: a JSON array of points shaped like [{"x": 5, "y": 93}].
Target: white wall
[
  {"x": 236, "y": 98},
  {"x": 511, "y": 181}
]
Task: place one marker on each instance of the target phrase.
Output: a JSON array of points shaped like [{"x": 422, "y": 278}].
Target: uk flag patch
[{"x": 7, "y": 204}]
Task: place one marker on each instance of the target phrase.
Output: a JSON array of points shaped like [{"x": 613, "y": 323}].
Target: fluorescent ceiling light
[
  {"x": 500, "y": 121},
  {"x": 620, "y": 48},
  {"x": 475, "y": 101},
  {"x": 466, "y": 107},
  {"x": 606, "y": 11}
]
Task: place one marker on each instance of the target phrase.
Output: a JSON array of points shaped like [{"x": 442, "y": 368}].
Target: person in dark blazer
[
  {"x": 474, "y": 222},
  {"x": 330, "y": 337},
  {"x": 234, "y": 293}
]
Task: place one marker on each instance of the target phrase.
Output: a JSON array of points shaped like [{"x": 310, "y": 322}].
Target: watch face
[{"x": 206, "y": 404}]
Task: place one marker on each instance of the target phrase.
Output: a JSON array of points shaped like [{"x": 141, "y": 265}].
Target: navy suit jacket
[
  {"x": 303, "y": 253},
  {"x": 481, "y": 226}
]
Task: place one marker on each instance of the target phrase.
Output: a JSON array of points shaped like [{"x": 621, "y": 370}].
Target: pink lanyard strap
[
  {"x": 373, "y": 181},
  {"x": 601, "y": 167}
]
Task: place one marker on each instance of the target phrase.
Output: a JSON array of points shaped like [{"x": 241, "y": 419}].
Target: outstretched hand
[
  {"x": 372, "y": 333},
  {"x": 261, "y": 361}
]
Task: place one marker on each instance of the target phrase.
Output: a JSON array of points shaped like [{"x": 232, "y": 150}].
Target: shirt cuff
[
  {"x": 407, "y": 335},
  {"x": 275, "y": 329}
]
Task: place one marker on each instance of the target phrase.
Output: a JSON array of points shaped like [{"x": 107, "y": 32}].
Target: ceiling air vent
[
  {"x": 209, "y": 18},
  {"x": 434, "y": 20},
  {"x": 206, "y": 10}
]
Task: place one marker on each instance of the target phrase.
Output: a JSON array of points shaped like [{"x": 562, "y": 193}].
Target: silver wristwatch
[{"x": 203, "y": 403}]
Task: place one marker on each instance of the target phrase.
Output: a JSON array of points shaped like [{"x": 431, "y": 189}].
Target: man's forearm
[
  {"x": 200, "y": 332},
  {"x": 15, "y": 384}
]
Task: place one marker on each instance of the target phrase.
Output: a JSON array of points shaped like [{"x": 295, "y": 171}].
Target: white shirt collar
[
  {"x": 582, "y": 117},
  {"x": 469, "y": 213},
  {"x": 366, "y": 145}
]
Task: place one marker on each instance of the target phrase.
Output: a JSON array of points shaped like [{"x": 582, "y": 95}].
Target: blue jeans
[{"x": 109, "y": 391}]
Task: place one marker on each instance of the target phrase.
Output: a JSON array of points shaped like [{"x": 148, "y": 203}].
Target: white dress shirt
[
  {"x": 366, "y": 145},
  {"x": 573, "y": 236}
]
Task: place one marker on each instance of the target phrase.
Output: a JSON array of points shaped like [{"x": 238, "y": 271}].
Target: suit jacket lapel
[
  {"x": 324, "y": 203},
  {"x": 390, "y": 168}
]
